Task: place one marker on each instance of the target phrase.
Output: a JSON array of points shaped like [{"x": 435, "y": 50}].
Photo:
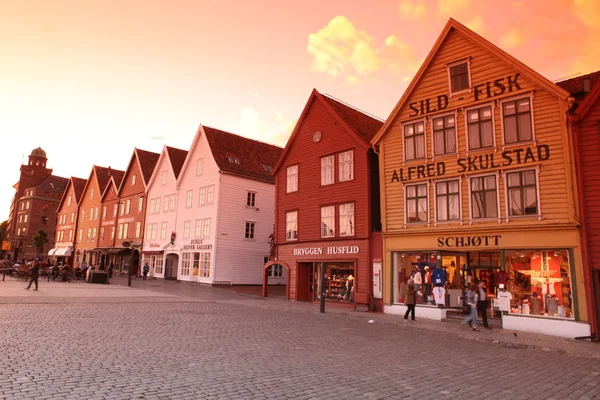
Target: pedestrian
[
  {"x": 146, "y": 270},
  {"x": 409, "y": 299},
  {"x": 471, "y": 298},
  {"x": 110, "y": 270},
  {"x": 482, "y": 303},
  {"x": 35, "y": 272}
]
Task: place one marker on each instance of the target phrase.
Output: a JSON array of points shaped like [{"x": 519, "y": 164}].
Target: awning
[
  {"x": 51, "y": 252},
  {"x": 64, "y": 252},
  {"x": 116, "y": 250}
]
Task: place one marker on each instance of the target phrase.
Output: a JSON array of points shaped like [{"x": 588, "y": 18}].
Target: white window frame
[
  {"x": 70, "y": 235},
  {"x": 251, "y": 199},
  {"x": 288, "y": 237},
  {"x": 115, "y": 209},
  {"x": 492, "y": 105},
  {"x": 82, "y": 215},
  {"x": 199, "y": 166},
  {"x": 414, "y": 121},
  {"x": 514, "y": 98},
  {"x": 340, "y": 216},
  {"x": 435, "y": 209},
  {"x": 186, "y": 229},
  {"x": 343, "y": 165},
  {"x": 166, "y": 203},
  {"x": 189, "y": 197},
  {"x": 292, "y": 179},
  {"x": 127, "y": 206},
  {"x": 210, "y": 194},
  {"x": 73, "y": 217},
  {"x": 69, "y": 200},
  {"x": 202, "y": 196},
  {"x": 104, "y": 208},
  {"x": 172, "y": 202},
  {"x": 163, "y": 230},
  {"x": 101, "y": 233},
  {"x": 186, "y": 263},
  {"x": 91, "y": 193},
  {"x": 159, "y": 264},
  {"x": 325, "y": 170},
  {"x": 133, "y": 179},
  {"x": 454, "y": 64},
  {"x": 152, "y": 204},
  {"x": 272, "y": 270},
  {"x": 163, "y": 178},
  {"x": 120, "y": 234},
  {"x": 250, "y": 234},
  {"x": 138, "y": 229},
  {"x": 154, "y": 229},
  {"x": 198, "y": 228},
  {"x": 431, "y": 122},
  {"x": 328, "y": 217},
  {"x": 509, "y": 217},
  {"x": 149, "y": 231},
  {"x": 205, "y": 265},
  {"x": 140, "y": 204},
  {"x": 112, "y": 233},
  {"x": 469, "y": 177},
  {"x": 427, "y": 222},
  {"x": 206, "y": 227}
]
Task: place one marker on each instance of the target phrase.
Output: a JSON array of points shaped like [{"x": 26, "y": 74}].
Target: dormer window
[
  {"x": 459, "y": 76},
  {"x": 233, "y": 159},
  {"x": 267, "y": 168}
]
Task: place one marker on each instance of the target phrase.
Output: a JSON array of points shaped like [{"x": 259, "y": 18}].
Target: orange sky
[{"x": 89, "y": 80}]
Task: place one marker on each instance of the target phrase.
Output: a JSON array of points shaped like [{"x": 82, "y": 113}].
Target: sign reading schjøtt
[{"x": 317, "y": 251}]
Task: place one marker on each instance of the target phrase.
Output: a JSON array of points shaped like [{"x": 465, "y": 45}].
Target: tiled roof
[
  {"x": 103, "y": 175},
  {"x": 54, "y": 183},
  {"x": 365, "y": 126},
  {"x": 242, "y": 156},
  {"x": 177, "y": 157},
  {"x": 575, "y": 86},
  {"x": 147, "y": 160},
  {"x": 78, "y": 186}
]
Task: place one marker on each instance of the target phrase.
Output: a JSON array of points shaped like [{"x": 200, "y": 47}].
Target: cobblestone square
[{"x": 165, "y": 340}]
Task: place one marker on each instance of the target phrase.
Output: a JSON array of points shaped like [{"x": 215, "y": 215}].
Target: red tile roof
[
  {"x": 54, "y": 183},
  {"x": 177, "y": 157},
  {"x": 365, "y": 126},
  {"x": 103, "y": 175},
  {"x": 78, "y": 186},
  {"x": 242, "y": 156},
  {"x": 147, "y": 161},
  {"x": 575, "y": 85}
]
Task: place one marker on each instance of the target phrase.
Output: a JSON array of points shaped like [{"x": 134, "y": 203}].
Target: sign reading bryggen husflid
[{"x": 477, "y": 184}]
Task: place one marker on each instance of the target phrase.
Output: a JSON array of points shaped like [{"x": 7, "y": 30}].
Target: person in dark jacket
[
  {"x": 35, "y": 273},
  {"x": 482, "y": 303},
  {"x": 409, "y": 299}
]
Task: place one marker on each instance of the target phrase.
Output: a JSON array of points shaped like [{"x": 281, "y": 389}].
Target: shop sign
[
  {"x": 480, "y": 162},
  {"x": 124, "y": 220},
  {"x": 317, "y": 251},
  {"x": 197, "y": 244},
  {"x": 111, "y": 222},
  {"x": 153, "y": 245},
  {"x": 469, "y": 241}
]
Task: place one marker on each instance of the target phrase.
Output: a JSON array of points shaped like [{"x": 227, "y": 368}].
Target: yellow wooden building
[{"x": 477, "y": 184}]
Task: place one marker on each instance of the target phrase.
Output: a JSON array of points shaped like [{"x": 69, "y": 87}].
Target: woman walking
[
  {"x": 471, "y": 298},
  {"x": 409, "y": 299}
]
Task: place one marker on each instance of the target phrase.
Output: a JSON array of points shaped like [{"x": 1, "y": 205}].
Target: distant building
[{"x": 34, "y": 206}]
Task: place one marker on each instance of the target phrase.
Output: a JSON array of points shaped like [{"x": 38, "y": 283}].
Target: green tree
[{"x": 40, "y": 238}]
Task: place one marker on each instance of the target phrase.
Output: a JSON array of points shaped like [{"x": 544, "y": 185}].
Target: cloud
[
  {"x": 588, "y": 12},
  {"x": 453, "y": 7},
  {"x": 270, "y": 128},
  {"x": 401, "y": 57},
  {"x": 511, "y": 39},
  {"x": 476, "y": 24},
  {"x": 412, "y": 10},
  {"x": 588, "y": 59}
]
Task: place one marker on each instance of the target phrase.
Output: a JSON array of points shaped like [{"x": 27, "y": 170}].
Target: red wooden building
[
  {"x": 327, "y": 205},
  {"x": 585, "y": 124}
]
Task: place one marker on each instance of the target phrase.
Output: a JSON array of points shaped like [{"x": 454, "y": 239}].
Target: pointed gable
[
  {"x": 177, "y": 158},
  {"x": 104, "y": 174},
  {"x": 171, "y": 158},
  {"x": 580, "y": 86},
  {"x": 147, "y": 161},
  {"x": 76, "y": 185}
]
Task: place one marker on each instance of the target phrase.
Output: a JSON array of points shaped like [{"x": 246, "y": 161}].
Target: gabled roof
[
  {"x": 483, "y": 43},
  {"x": 575, "y": 86},
  {"x": 54, "y": 183},
  {"x": 175, "y": 158},
  {"x": 146, "y": 162},
  {"x": 592, "y": 98},
  {"x": 103, "y": 176},
  {"x": 359, "y": 125},
  {"x": 78, "y": 184},
  {"x": 111, "y": 182}
]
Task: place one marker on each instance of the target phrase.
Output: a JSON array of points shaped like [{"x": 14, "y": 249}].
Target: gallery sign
[
  {"x": 317, "y": 251},
  {"x": 469, "y": 241},
  {"x": 197, "y": 244}
]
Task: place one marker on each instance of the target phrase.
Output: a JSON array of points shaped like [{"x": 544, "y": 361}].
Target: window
[
  {"x": 251, "y": 199},
  {"x": 416, "y": 203},
  {"x": 103, "y": 212},
  {"x": 204, "y": 265},
  {"x": 133, "y": 179},
  {"x": 91, "y": 214},
  {"x": 444, "y": 135},
  {"x": 115, "y": 209},
  {"x": 163, "y": 178},
  {"x": 72, "y": 217},
  {"x": 250, "y": 230},
  {"x": 199, "y": 166},
  {"x": 69, "y": 200},
  {"x": 163, "y": 230},
  {"x": 166, "y": 204},
  {"x": 120, "y": 236},
  {"x": 101, "y": 233},
  {"x": 152, "y": 203},
  {"x": 186, "y": 261},
  {"x": 210, "y": 194},
  {"x": 138, "y": 229},
  {"x": 202, "y": 196},
  {"x": 327, "y": 221},
  {"x": 112, "y": 233},
  {"x": 127, "y": 206},
  {"x": 25, "y": 219},
  {"x": 327, "y": 170},
  {"x": 346, "y": 166},
  {"x": 275, "y": 271},
  {"x": 89, "y": 234},
  {"x": 158, "y": 266},
  {"x": 291, "y": 225},
  {"x": 154, "y": 228},
  {"x": 186, "y": 229},
  {"x": 157, "y": 206},
  {"x": 484, "y": 197},
  {"x": 267, "y": 168},
  {"x": 459, "y": 77},
  {"x": 188, "y": 198},
  {"x": 206, "y": 227},
  {"x": 70, "y": 235},
  {"x": 233, "y": 159},
  {"x": 347, "y": 219},
  {"x": 198, "y": 231},
  {"x": 82, "y": 215},
  {"x": 522, "y": 193},
  {"x": 91, "y": 193},
  {"x": 122, "y": 207},
  {"x": 414, "y": 141},
  {"x": 480, "y": 128},
  {"x": 94, "y": 231},
  {"x": 148, "y": 231},
  {"x": 96, "y": 212},
  {"x": 447, "y": 197},
  {"x": 140, "y": 204},
  {"x": 172, "y": 202},
  {"x": 292, "y": 179},
  {"x": 19, "y": 232},
  {"x": 516, "y": 115}
]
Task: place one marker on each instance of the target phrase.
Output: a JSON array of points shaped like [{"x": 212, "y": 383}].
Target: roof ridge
[
  {"x": 368, "y": 114},
  {"x": 241, "y": 136}
]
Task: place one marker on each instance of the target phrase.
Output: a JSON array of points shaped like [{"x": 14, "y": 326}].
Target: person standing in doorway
[
  {"x": 145, "y": 270},
  {"x": 482, "y": 303},
  {"x": 409, "y": 299},
  {"x": 35, "y": 273}
]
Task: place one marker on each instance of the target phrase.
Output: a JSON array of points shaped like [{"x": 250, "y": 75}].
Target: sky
[{"x": 90, "y": 80}]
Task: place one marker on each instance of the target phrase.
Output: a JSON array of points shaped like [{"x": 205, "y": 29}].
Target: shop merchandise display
[{"x": 339, "y": 282}]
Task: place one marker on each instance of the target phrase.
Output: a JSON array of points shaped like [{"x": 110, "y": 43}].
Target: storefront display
[{"x": 339, "y": 281}]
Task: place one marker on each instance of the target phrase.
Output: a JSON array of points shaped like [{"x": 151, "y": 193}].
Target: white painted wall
[
  {"x": 546, "y": 326},
  {"x": 433, "y": 313}
]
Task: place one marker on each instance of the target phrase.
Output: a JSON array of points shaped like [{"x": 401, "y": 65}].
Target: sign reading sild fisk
[{"x": 480, "y": 162}]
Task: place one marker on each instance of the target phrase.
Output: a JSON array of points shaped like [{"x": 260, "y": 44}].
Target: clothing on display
[
  {"x": 505, "y": 298},
  {"x": 552, "y": 306},
  {"x": 439, "y": 295},
  {"x": 438, "y": 277},
  {"x": 501, "y": 278}
]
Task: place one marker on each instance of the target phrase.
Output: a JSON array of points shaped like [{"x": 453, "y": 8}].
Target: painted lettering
[{"x": 469, "y": 241}]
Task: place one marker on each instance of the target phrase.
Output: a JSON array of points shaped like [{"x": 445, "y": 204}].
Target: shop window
[
  {"x": 251, "y": 199},
  {"x": 186, "y": 263},
  {"x": 199, "y": 166},
  {"x": 327, "y": 170},
  {"x": 414, "y": 141},
  {"x": 347, "y": 219},
  {"x": 522, "y": 193},
  {"x": 163, "y": 230},
  {"x": 189, "y": 198},
  {"x": 444, "y": 135},
  {"x": 538, "y": 282},
  {"x": 205, "y": 261},
  {"x": 158, "y": 266},
  {"x": 346, "y": 166},
  {"x": 339, "y": 281},
  {"x": 447, "y": 197},
  {"x": 291, "y": 225},
  {"x": 484, "y": 197},
  {"x": 275, "y": 271},
  {"x": 480, "y": 128},
  {"x": 250, "y": 226},
  {"x": 186, "y": 229},
  {"x": 459, "y": 77},
  {"x": 516, "y": 116},
  {"x": 138, "y": 230},
  {"x": 292, "y": 179},
  {"x": 416, "y": 203},
  {"x": 327, "y": 221}
]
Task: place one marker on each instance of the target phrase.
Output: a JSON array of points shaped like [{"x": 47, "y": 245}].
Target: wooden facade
[
  {"x": 479, "y": 129},
  {"x": 66, "y": 226}
]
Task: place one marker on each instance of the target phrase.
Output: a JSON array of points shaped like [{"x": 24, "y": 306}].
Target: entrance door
[
  {"x": 303, "y": 282},
  {"x": 171, "y": 266}
]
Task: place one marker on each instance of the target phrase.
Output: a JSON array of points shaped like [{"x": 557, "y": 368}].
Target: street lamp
[{"x": 128, "y": 245}]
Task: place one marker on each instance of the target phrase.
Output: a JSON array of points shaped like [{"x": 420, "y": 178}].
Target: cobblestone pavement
[{"x": 218, "y": 344}]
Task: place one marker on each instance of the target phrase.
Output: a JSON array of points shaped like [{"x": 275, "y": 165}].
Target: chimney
[{"x": 109, "y": 171}]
